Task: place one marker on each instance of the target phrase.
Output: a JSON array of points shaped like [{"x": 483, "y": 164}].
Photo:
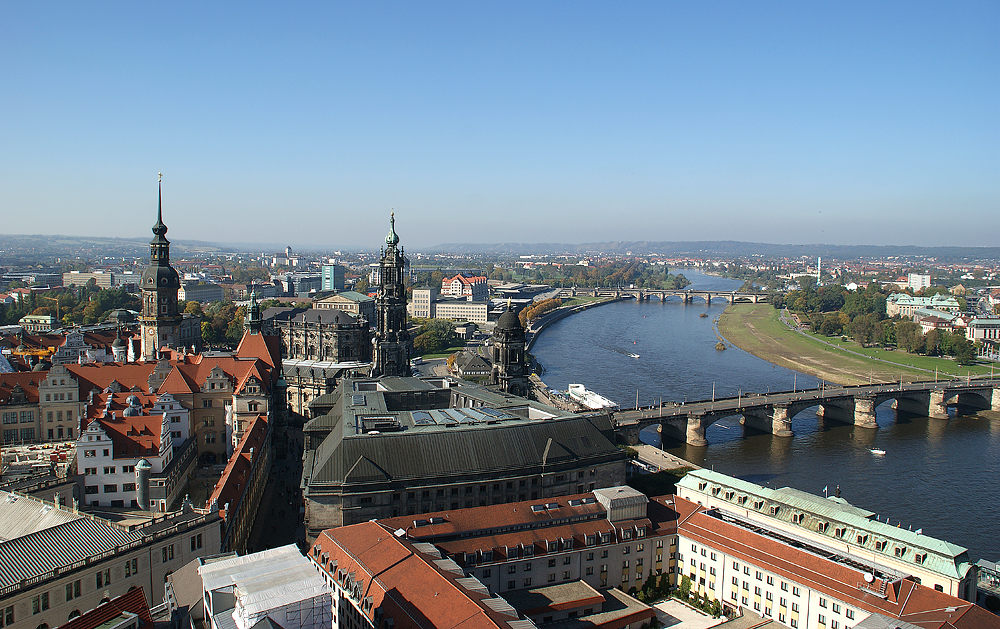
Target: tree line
[{"x": 832, "y": 310}]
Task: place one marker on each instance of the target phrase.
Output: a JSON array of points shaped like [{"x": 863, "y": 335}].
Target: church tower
[
  {"x": 392, "y": 340},
  {"x": 510, "y": 370},
  {"x": 160, "y": 321}
]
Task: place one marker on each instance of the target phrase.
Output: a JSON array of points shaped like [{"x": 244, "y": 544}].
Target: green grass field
[{"x": 757, "y": 329}]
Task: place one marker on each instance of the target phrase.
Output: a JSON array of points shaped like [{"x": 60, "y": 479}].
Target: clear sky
[{"x": 304, "y": 123}]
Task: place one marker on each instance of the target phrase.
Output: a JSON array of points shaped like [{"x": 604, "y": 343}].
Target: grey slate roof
[
  {"x": 309, "y": 315},
  {"x": 506, "y": 447}
]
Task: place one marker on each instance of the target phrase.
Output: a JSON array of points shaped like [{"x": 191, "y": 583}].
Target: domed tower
[
  {"x": 510, "y": 371},
  {"x": 118, "y": 347},
  {"x": 160, "y": 320},
  {"x": 392, "y": 340},
  {"x": 253, "y": 322}
]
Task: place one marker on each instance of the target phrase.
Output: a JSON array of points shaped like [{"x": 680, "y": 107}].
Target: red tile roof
[
  {"x": 133, "y": 601},
  {"x": 133, "y": 436},
  {"x": 403, "y": 582},
  {"x": 237, "y": 473},
  {"x": 28, "y": 380},
  {"x": 906, "y": 600}
]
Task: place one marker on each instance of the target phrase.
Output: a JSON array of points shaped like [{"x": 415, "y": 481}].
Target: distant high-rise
[{"x": 392, "y": 340}]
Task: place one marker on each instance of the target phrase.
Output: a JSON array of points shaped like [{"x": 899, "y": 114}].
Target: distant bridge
[
  {"x": 687, "y": 296},
  {"x": 773, "y": 412}
]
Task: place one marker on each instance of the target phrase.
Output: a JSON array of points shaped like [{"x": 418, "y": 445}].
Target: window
[
  {"x": 836, "y": 608},
  {"x": 770, "y": 580},
  {"x": 128, "y": 486},
  {"x": 760, "y": 575},
  {"x": 795, "y": 607},
  {"x": 821, "y": 619},
  {"x": 713, "y": 556},
  {"x": 552, "y": 577},
  {"x": 527, "y": 581},
  {"x": 746, "y": 570},
  {"x": 822, "y": 602},
  {"x": 511, "y": 569},
  {"x": 196, "y": 542},
  {"x": 849, "y": 613},
  {"x": 795, "y": 591},
  {"x": 40, "y": 603},
  {"x": 566, "y": 574},
  {"x": 784, "y": 586},
  {"x": 756, "y": 591},
  {"x": 794, "y": 624},
  {"x": 487, "y": 573},
  {"x": 834, "y": 624},
  {"x": 207, "y": 403},
  {"x": 111, "y": 489},
  {"x": 109, "y": 470},
  {"x": 783, "y": 602},
  {"x": 552, "y": 563},
  {"x": 527, "y": 567},
  {"x": 511, "y": 585},
  {"x": 91, "y": 489},
  {"x": 72, "y": 590},
  {"x": 8, "y": 615},
  {"x": 736, "y": 581},
  {"x": 590, "y": 570},
  {"x": 210, "y": 437}
]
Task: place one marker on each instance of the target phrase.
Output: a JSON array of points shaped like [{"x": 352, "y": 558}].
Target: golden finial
[{"x": 160, "y": 177}]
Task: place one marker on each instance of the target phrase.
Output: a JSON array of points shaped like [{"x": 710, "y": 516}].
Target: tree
[
  {"x": 685, "y": 587},
  {"x": 193, "y": 308}
]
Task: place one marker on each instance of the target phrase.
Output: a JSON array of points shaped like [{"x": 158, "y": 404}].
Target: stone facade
[{"x": 392, "y": 339}]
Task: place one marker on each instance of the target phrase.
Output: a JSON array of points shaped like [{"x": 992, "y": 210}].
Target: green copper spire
[{"x": 391, "y": 238}]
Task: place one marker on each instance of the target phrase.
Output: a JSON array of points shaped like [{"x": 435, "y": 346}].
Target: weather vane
[{"x": 160, "y": 175}]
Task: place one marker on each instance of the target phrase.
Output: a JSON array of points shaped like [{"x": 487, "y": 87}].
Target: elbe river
[{"x": 939, "y": 475}]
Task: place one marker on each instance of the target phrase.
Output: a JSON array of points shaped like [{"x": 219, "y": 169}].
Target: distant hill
[
  {"x": 731, "y": 249},
  {"x": 15, "y": 248}
]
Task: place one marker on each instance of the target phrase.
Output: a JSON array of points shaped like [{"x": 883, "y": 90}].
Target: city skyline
[{"x": 847, "y": 124}]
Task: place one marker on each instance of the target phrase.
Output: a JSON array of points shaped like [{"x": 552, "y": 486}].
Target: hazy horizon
[{"x": 564, "y": 122}]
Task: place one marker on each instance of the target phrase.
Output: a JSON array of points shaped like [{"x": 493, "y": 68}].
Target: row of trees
[
  {"x": 537, "y": 309},
  {"x": 84, "y": 305}
]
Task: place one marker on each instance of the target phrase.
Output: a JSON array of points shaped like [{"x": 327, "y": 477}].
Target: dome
[
  {"x": 391, "y": 238},
  {"x": 42, "y": 365},
  {"x": 160, "y": 277},
  {"x": 117, "y": 343},
  {"x": 509, "y": 321},
  {"x": 131, "y": 411},
  {"x": 133, "y": 400}
]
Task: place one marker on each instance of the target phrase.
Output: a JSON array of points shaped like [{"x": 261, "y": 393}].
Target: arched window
[
  {"x": 73, "y": 614},
  {"x": 166, "y": 577}
]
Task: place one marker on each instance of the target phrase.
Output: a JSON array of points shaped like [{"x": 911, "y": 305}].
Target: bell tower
[
  {"x": 392, "y": 340},
  {"x": 160, "y": 320},
  {"x": 510, "y": 369}
]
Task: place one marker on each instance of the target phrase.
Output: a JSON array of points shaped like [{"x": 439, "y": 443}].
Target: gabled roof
[
  {"x": 265, "y": 347},
  {"x": 26, "y": 381},
  {"x": 133, "y": 436},
  {"x": 234, "y": 478},
  {"x": 405, "y": 583},
  {"x": 133, "y": 601}
]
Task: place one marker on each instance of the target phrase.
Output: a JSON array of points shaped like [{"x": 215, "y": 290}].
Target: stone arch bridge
[
  {"x": 773, "y": 412},
  {"x": 645, "y": 294}
]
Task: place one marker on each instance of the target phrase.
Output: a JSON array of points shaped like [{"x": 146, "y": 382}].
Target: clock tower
[{"x": 160, "y": 321}]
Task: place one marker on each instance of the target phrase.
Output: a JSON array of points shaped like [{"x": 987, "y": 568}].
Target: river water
[{"x": 938, "y": 475}]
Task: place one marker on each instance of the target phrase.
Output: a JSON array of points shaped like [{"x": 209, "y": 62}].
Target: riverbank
[
  {"x": 759, "y": 330},
  {"x": 536, "y": 327}
]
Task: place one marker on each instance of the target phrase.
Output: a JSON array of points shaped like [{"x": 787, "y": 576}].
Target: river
[{"x": 938, "y": 475}]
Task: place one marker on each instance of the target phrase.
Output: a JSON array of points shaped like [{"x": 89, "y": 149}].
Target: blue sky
[{"x": 300, "y": 123}]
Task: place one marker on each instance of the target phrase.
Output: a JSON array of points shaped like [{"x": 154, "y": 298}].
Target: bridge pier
[
  {"x": 864, "y": 411},
  {"x": 937, "y": 408},
  {"x": 781, "y": 423},
  {"x": 696, "y": 430},
  {"x": 836, "y": 412},
  {"x": 628, "y": 433},
  {"x": 995, "y": 401}
]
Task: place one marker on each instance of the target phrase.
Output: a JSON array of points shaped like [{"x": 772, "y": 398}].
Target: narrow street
[{"x": 279, "y": 521}]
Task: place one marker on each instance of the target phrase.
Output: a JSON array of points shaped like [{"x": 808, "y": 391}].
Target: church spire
[{"x": 159, "y": 228}]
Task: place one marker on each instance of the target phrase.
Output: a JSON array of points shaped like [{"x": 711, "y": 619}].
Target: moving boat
[{"x": 877, "y": 451}]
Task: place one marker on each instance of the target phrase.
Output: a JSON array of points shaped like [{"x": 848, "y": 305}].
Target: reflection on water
[{"x": 939, "y": 475}]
